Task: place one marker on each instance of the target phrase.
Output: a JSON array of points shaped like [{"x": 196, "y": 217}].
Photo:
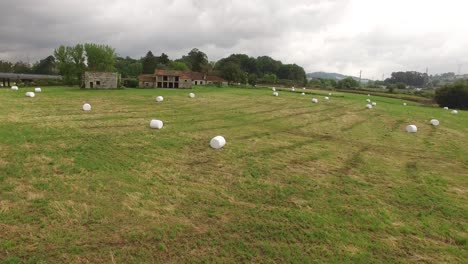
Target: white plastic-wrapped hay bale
[
  {"x": 30, "y": 94},
  {"x": 314, "y": 100},
  {"x": 275, "y": 93},
  {"x": 411, "y": 129},
  {"x": 327, "y": 98},
  {"x": 404, "y": 104},
  {"x": 293, "y": 89},
  {"x": 374, "y": 104},
  {"x": 446, "y": 108},
  {"x": 302, "y": 93},
  {"x": 218, "y": 142},
  {"x": 303, "y": 88},
  {"x": 455, "y": 112},
  {"x": 368, "y": 100},
  {"x": 37, "y": 89},
  {"x": 330, "y": 94},
  {"x": 368, "y": 95},
  {"x": 159, "y": 99},
  {"x": 273, "y": 89},
  {"x": 86, "y": 107},
  {"x": 368, "y": 106},
  {"x": 14, "y": 88},
  {"x": 191, "y": 95},
  {"x": 156, "y": 124},
  {"x": 435, "y": 122}
]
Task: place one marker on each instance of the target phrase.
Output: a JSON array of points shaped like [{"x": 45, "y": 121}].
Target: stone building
[
  {"x": 101, "y": 80},
  {"x": 177, "y": 79}
]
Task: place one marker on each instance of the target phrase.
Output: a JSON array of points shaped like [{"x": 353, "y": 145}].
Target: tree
[
  {"x": 6, "y": 66},
  {"x": 64, "y": 64},
  {"x": 22, "y": 67},
  {"x": 100, "y": 57},
  {"x": 269, "y": 78},
  {"x": 128, "y": 67},
  {"x": 195, "y": 60},
  {"x": 178, "y": 66},
  {"x": 163, "y": 59},
  {"x": 252, "y": 79},
  {"x": 267, "y": 65},
  {"x": 453, "y": 95},
  {"x": 45, "y": 66},
  {"x": 230, "y": 71},
  {"x": 77, "y": 54},
  {"x": 149, "y": 63},
  {"x": 348, "y": 83},
  {"x": 411, "y": 78}
]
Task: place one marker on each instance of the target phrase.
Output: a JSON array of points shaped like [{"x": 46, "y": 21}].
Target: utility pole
[{"x": 360, "y": 76}]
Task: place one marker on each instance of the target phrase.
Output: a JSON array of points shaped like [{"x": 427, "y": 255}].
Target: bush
[
  {"x": 131, "y": 83},
  {"x": 453, "y": 95}
]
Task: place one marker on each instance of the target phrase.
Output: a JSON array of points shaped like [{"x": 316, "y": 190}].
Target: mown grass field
[{"x": 296, "y": 182}]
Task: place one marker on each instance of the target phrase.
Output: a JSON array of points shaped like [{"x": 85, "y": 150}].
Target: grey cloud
[{"x": 300, "y": 31}]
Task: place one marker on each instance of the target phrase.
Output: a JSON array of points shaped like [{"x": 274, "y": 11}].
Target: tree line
[{"x": 72, "y": 61}]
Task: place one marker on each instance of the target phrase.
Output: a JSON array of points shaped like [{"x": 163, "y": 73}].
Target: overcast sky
[{"x": 377, "y": 36}]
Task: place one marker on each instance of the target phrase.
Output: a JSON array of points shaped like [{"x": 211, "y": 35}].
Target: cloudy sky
[{"x": 377, "y": 36}]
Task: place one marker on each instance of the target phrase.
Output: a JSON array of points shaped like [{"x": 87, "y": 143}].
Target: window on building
[
  {"x": 165, "y": 78},
  {"x": 98, "y": 82},
  {"x": 177, "y": 78},
  {"x": 196, "y": 83}
]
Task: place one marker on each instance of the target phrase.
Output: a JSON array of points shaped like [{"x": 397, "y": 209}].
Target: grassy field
[{"x": 296, "y": 182}]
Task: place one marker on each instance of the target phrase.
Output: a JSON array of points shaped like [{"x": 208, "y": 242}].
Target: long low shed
[{"x": 6, "y": 78}]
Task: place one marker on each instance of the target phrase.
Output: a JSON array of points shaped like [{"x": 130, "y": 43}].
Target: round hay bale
[
  {"x": 446, "y": 108},
  {"x": 404, "y": 104},
  {"x": 368, "y": 106},
  {"x": 86, "y": 107},
  {"x": 273, "y": 89},
  {"x": 37, "y": 89},
  {"x": 156, "y": 124},
  {"x": 330, "y": 94},
  {"x": 314, "y": 100},
  {"x": 293, "y": 89},
  {"x": 14, "y": 88},
  {"x": 368, "y": 95},
  {"x": 159, "y": 99},
  {"x": 303, "y": 88},
  {"x": 455, "y": 112},
  {"x": 217, "y": 142},
  {"x": 327, "y": 98},
  {"x": 275, "y": 93},
  {"x": 374, "y": 104},
  {"x": 30, "y": 94},
  {"x": 191, "y": 95},
  {"x": 368, "y": 100},
  {"x": 411, "y": 129},
  {"x": 302, "y": 93},
  {"x": 435, "y": 122}
]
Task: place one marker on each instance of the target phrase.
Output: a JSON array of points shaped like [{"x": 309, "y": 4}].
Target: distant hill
[
  {"x": 331, "y": 75},
  {"x": 325, "y": 75}
]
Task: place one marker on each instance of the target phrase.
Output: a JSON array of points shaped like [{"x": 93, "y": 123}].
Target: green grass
[{"x": 297, "y": 182}]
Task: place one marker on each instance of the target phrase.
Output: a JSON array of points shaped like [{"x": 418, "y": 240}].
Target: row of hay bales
[{"x": 370, "y": 105}]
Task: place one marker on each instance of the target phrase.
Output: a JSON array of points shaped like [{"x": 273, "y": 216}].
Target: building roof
[
  {"x": 212, "y": 78},
  {"x": 168, "y": 73},
  {"x": 182, "y": 74},
  {"x": 146, "y": 78},
  {"x": 195, "y": 75},
  {"x": 23, "y": 76}
]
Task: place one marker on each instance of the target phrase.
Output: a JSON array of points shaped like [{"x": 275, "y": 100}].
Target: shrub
[
  {"x": 453, "y": 95},
  {"x": 131, "y": 83}
]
